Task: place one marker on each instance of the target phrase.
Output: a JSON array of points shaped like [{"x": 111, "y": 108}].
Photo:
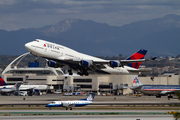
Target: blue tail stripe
[{"x": 142, "y": 51}]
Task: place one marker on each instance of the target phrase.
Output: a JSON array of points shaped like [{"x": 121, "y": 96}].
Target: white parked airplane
[
  {"x": 39, "y": 87},
  {"x": 8, "y": 89},
  {"x": 59, "y": 56},
  {"x": 74, "y": 103},
  {"x": 4, "y": 87}
]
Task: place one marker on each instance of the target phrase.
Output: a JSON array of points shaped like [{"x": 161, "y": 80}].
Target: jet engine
[
  {"x": 52, "y": 64},
  {"x": 85, "y": 63},
  {"x": 115, "y": 63},
  {"x": 65, "y": 104}
]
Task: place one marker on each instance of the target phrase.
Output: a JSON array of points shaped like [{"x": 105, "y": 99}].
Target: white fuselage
[
  {"x": 24, "y": 87},
  {"x": 7, "y": 86},
  {"x": 39, "y": 87},
  {"x": 55, "y": 51},
  {"x": 75, "y": 103}
]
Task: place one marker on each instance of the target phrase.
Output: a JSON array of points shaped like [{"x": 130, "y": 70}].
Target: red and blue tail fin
[
  {"x": 2, "y": 82},
  {"x": 138, "y": 55}
]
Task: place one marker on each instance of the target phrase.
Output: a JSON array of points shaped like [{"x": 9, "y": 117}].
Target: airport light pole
[{"x": 110, "y": 84}]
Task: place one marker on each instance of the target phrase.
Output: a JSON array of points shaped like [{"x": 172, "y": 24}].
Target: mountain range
[{"x": 160, "y": 36}]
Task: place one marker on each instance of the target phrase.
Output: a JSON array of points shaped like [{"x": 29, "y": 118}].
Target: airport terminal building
[
  {"x": 116, "y": 84},
  {"x": 55, "y": 79}
]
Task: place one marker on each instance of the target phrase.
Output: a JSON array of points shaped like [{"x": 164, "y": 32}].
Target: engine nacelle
[
  {"x": 114, "y": 63},
  {"x": 65, "y": 104},
  {"x": 85, "y": 63},
  {"x": 52, "y": 64}
]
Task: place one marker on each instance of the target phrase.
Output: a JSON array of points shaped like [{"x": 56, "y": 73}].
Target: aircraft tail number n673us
[{"x": 59, "y": 55}]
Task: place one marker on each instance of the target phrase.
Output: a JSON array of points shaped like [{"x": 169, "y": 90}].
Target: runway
[
  {"x": 85, "y": 110},
  {"x": 42, "y": 113},
  {"x": 82, "y": 112},
  {"x": 45, "y": 99},
  {"x": 91, "y": 117}
]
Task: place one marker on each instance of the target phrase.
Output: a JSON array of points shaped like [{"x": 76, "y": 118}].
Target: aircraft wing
[
  {"x": 136, "y": 87},
  {"x": 65, "y": 104},
  {"x": 92, "y": 63},
  {"x": 168, "y": 92},
  {"x": 100, "y": 64},
  {"x": 23, "y": 89},
  {"x": 140, "y": 70},
  {"x": 7, "y": 90},
  {"x": 71, "y": 105},
  {"x": 82, "y": 66},
  {"x": 125, "y": 62}
]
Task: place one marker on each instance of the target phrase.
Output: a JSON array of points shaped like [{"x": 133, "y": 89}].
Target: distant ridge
[{"x": 159, "y": 36}]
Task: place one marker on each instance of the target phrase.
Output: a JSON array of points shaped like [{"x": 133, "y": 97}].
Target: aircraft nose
[
  {"x": 47, "y": 105},
  {"x": 28, "y": 46}
]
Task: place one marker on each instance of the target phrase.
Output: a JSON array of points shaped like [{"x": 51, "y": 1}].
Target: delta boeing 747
[{"x": 58, "y": 56}]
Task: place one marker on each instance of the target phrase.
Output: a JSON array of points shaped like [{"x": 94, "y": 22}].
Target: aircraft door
[
  {"x": 45, "y": 49},
  {"x": 61, "y": 52}
]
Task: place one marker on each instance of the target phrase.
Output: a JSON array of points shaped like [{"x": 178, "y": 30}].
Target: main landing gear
[
  {"x": 70, "y": 72},
  {"x": 70, "y": 108},
  {"x": 81, "y": 73},
  {"x": 158, "y": 96},
  {"x": 169, "y": 96}
]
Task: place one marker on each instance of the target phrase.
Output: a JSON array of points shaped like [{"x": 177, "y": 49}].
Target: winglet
[{"x": 2, "y": 82}]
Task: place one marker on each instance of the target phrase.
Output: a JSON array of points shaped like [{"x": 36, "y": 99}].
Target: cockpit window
[
  {"x": 36, "y": 40},
  {"x": 53, "y": 102}
]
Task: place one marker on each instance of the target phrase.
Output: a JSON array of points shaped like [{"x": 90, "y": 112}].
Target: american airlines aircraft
[
  {"x": 74, "y": 103},
  {"x": 158, "y": 90},
  {"x": 59, "y": 55}
]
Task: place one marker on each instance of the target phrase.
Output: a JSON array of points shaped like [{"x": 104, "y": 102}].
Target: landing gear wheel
[
  {"x": 70, "y": 108},
  {"x": 37, "y": 59},
  {"x": 86, "y": 73},
  {"x": 169, "y": 97},
  {"x": 80, "y": 73},
  {"x": 158, "y": 96},
  {"x": 66, "y": 108},
  {"x": 70, "y": 72}
]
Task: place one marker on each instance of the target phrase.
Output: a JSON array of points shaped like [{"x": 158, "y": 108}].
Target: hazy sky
[{"x": 17, "y": 14}]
